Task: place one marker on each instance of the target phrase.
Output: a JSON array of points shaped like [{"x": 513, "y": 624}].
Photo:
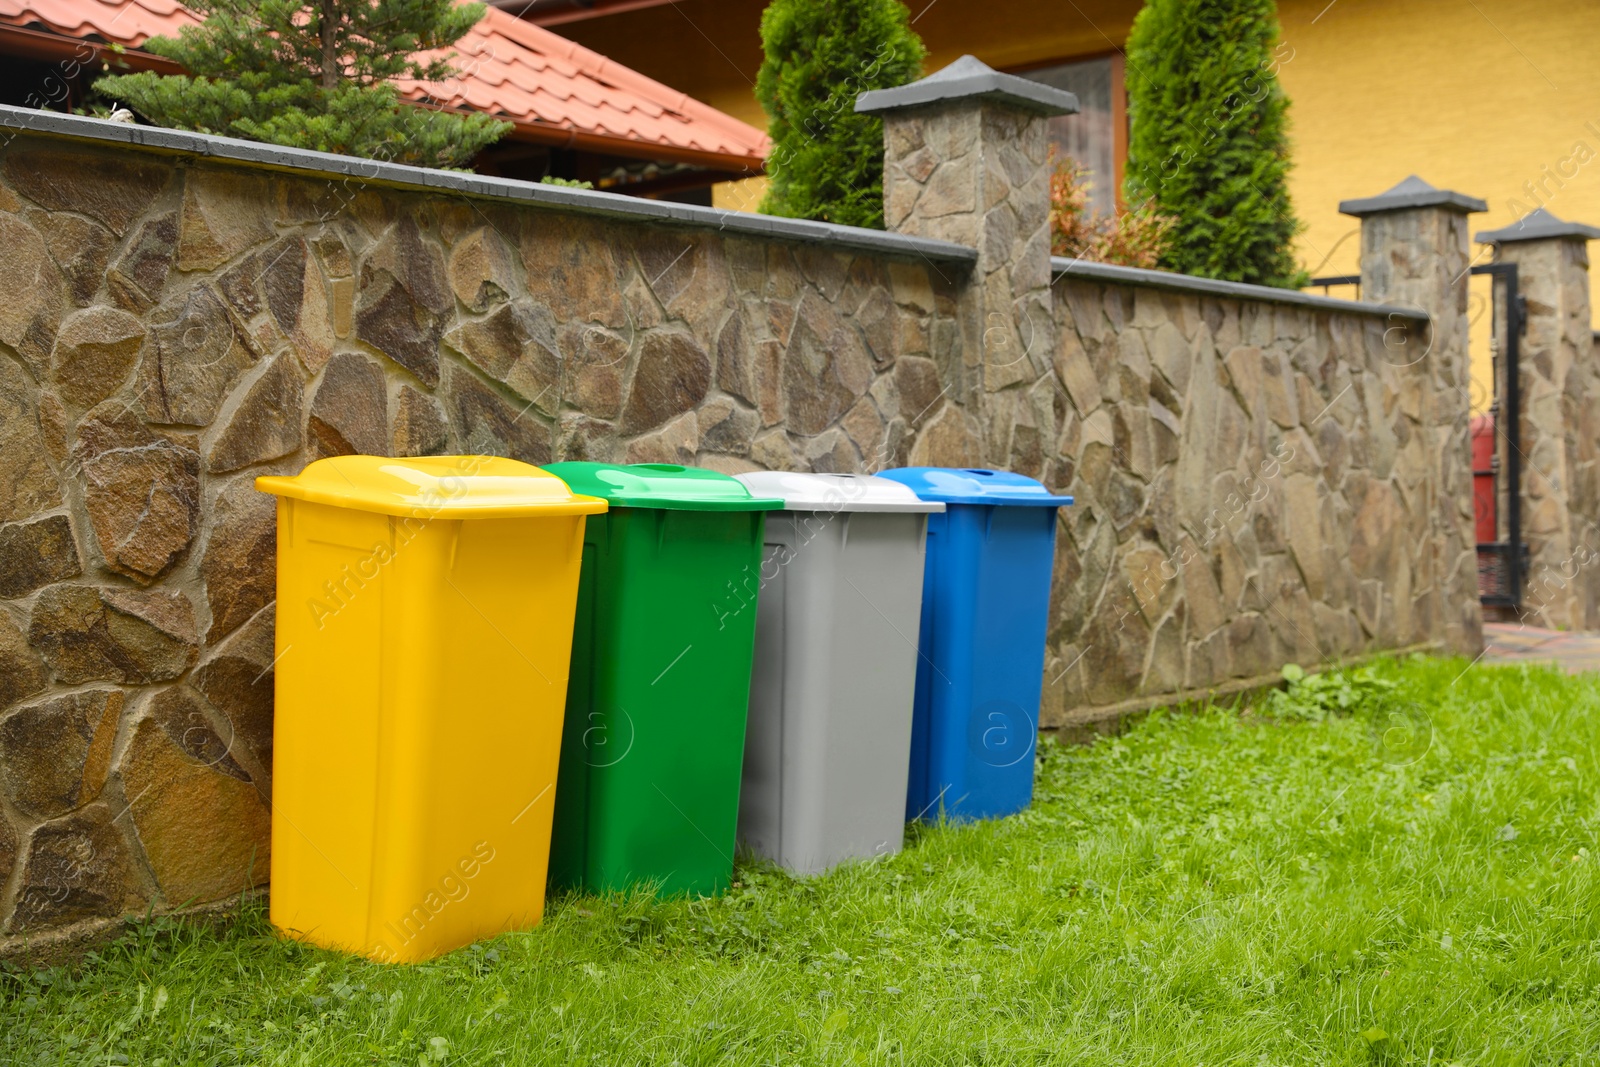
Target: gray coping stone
[
  {"x": 1083, "y": 269},
  {"x": 395, "y": 175},
  {"x": 1412, "y": 193},
  {"x": 1537, "y": 225},
  {"x": 970, "y": 78}
]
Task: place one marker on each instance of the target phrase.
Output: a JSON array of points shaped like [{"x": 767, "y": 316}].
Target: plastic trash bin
[
  {"x": 835, "y": 669},
  {"x": 424, "y": 626},
  {"x": 649, "y": 786},
  {"x": 984, "y": 605}
]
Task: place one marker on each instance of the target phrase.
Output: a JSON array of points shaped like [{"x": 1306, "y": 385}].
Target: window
[{"x": 1090, "y": 137}]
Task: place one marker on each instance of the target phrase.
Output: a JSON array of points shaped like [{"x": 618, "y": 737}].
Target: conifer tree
[
  {"x": 827, "y": 161},
  {"x": 317, "y": 74},
  {"x": 1209, "y": 143}
]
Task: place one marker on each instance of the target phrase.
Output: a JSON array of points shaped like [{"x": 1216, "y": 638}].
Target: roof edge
[{"x": 101, "y": 132}]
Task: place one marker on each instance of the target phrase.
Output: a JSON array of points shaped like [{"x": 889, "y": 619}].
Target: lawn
[{"x": 1409, "y": 881}]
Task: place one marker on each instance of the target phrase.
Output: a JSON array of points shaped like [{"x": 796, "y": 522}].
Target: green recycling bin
[{"x": 653, "y": 746}]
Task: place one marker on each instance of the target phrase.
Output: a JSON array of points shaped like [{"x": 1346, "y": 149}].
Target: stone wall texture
[
  {"x": 1254, "y": 485},
  {"x": 1257, "y": 482}
]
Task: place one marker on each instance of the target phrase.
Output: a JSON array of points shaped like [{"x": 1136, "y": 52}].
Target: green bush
[
  {"x": 1209, "y": 143},
  {"x": 261, "y": 70},
  {"x": 827, "y": 161}
]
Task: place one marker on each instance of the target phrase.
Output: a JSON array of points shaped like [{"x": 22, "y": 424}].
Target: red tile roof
[{"x": 546, "y": 84}]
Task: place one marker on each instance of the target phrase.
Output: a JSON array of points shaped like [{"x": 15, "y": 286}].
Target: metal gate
[{"x": 1503, "y": 562}]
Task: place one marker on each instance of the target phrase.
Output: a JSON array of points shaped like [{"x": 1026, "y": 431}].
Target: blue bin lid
[{"x": 972, "y": 485}]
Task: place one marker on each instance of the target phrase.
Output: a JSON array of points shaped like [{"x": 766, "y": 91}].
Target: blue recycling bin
[{"x": 980, "y": 671}]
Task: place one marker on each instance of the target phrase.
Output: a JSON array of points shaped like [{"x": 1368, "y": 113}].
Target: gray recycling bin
[{"x": 828, "y": 744}]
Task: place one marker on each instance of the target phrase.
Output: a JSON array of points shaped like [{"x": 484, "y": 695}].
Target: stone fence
[{"x": 1262, "y": 475}]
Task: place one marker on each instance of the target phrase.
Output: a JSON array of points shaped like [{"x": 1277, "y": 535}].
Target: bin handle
[{"x": 845, "y": 537}]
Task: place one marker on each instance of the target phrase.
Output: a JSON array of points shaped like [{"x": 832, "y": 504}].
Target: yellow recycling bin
[{"x": 424, "y": 629}]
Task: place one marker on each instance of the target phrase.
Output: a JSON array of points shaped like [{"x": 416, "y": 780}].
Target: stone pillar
[
  {"x": 1414, "y": 252},
  {"x": 1560, "y": 423},
  {"x": 966, "y": 160}
]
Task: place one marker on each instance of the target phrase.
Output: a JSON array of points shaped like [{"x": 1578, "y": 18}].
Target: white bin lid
[{"x": 836, "y": 492}]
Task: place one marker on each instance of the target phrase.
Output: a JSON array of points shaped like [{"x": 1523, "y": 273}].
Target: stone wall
[
  {"x": 1259, "y": 474},
  {"x": 1253, "y": 489},
  {"x": 173, "y": 328}
]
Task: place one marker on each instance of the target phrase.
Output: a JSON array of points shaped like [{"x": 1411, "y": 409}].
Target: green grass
[{"x": 1205, "y": 889}]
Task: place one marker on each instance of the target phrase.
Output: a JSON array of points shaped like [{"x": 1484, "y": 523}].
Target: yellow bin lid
[{"x": 453, "y": 487}]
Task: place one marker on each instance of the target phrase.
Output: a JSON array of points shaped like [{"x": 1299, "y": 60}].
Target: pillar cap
[
  {"x": 1537, "y": 225},
  {"x": 970, "y": 78},
  {"x": 1412, "y": 193}
]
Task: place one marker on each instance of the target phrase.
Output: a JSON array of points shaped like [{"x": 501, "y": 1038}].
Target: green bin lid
[{"x": 660, "y": 485}]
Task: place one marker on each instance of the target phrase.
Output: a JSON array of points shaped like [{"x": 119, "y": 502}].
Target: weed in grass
[{"x": 1206, "y": 888}]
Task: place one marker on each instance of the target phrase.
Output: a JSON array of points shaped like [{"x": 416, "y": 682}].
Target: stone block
[
  {"x": 22, "y": 672},
  {"x": 94, "y": 352},
  {"x": 583, "y": 437},
  {"x": 141, "y": 490},
  {"x": 77, "y": 867},
  {"x": 138, "y": 278},
  {"x": 482, "y": 269},
  {"x": 54, "y": 755},
  {"x": 238, "y": 561},
  {"x": 114, "y": 188},
  {"x": 515, "y": 346},
  {"x": 419, "y": 427},
  {"x": 672, "y": 377},
  {"x": 87, "y": 634},
  {"x": 349, "y": 409},
  {"x": 35, "y": 554},
  {"x": 726, "y": 427},
  {"x": 221, "y": 217},
  {"x": 676, "y": 442},
  {"x": 80, "y": 248},
  {"x": 191, "y": 360},
  {"x": 570, "y": 268},
  {"x": 36, "y": 293},
  {"x": 487, "y": 424},
  {"x": 236, "y": 677},
  {"x": 205, "y": 831},
  {"x": 266, "y": 422}
]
